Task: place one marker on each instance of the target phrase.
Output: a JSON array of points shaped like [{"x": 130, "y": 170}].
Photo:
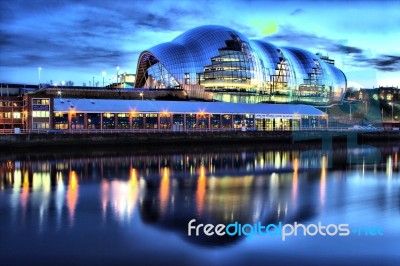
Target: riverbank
[{"x": 156, "y": 140}]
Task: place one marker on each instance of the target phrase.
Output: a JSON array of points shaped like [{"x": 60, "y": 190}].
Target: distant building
[
  {"x": 383, "y": 94},
  {"x": 124, "y": 81},
  {"x": 390, "y": 94}
]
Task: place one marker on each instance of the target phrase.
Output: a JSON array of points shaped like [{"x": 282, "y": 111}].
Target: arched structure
[{"x": 219, "y": 63}]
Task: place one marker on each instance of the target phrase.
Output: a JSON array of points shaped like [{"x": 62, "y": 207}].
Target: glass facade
[
  {"x": 60, "y": 121},
  {"x": 93, "y": 121},
  {"x": 183, "y": 121},
  {"x": 77, "y": 121},
  {"x": 219, "y": 63}
]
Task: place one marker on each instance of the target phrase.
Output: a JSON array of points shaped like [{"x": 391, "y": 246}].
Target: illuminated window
[
  {"x": 40, "y": 113},
  {"x": 17, "y": 115},
  {"x": 41, "y": 101},
  {"x": 5, "y": 115},
  {"x": 40, "y": 125}
]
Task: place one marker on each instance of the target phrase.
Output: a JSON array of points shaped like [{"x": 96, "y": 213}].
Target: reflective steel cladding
[{"x": 219, "y": 63}]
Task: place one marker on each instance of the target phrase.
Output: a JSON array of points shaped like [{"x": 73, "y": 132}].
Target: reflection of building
[
  {"x": 219, "y": 63},
  {"x": 168, "y": 190}
]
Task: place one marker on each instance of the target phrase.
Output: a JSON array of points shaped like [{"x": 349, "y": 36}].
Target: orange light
[
  {"x": 295, "y": 180},
  {"x": 72, "y": 194},
  {"x": 164, "y": 189},
  {"x": 323, "y": 180},
  {"x": 201, "y": 189}
]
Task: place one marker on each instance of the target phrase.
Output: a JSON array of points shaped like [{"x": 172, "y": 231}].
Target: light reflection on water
[{"x": 57, "y": 198}]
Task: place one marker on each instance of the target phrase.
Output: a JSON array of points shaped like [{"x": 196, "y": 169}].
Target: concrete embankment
[{"x": 22, "y": 141}]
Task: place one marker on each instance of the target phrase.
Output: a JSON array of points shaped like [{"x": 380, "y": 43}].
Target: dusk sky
[{"x": 78, "y": 40}]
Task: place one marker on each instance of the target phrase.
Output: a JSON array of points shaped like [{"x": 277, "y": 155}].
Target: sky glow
[{"x": 78, "y": 40}]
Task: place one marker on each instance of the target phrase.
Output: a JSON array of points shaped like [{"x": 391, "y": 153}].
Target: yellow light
[
  {"x": 164, "y": 189},
  {"x": 295, "y": 180},
  {"x": 72, "y": 194},
  {"x": 201, "y": 189}
]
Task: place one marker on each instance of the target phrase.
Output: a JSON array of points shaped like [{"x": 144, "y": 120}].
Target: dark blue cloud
[
  {"x": 93, "y": 35},
  {"x": 289, "y": 34},
  {"x": 297, "y": 11}
]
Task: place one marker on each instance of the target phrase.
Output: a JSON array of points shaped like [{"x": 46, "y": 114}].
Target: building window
[
  {"x": 226, "y": 121},
  {"x": 165, "y": 120},
  {"x": 93, "y": 121},
  {"x": 108, "y": 121},
  {"x": 238, "y": 121},
  {"x": 40, "y": 125},
  {"x": 123, "y": 121},
  {"x": 5, "y": 115},
  {"x": 17, "y": 115},
  {"x": 249, "y": 119},
  {"x": 215, "y": 121},
  {"x": 203, "y": 120},
  {"x": 151, "y": 121},
  {"x": 191, "y": 121},
  {"x": 78, "y": 121},
  {"x": 41, "y": 101},
  {"x": 137, "y": 121},
  {"x": 60, "y": 121},
  {"x": 187, "y": 78},
  {"x": 40, "y": 113},
  {"x": 177, "y": 121}
]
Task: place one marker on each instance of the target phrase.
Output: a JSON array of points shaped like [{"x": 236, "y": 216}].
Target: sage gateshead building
[{"x": 221, "y": 64}]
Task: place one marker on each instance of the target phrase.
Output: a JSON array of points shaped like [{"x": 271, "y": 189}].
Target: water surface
[{"x": 133, "y": 209}]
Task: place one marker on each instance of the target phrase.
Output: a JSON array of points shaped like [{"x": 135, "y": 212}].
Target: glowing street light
[
  {"x": 141, "y": 95},
  {"x": 59, "y": 93}
]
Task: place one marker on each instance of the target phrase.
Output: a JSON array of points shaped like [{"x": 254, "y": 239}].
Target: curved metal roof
[{"x": 188, "y": 56}]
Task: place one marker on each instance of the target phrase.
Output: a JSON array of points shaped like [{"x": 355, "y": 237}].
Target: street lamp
[
  {"x": 141, "y": 95},
  {"x": 103, "y": 74},
  {"x": 59, "y": 94}
]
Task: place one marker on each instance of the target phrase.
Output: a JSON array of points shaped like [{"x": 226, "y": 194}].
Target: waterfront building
[
  {"x": 221, "y": 64},
  {"x": 180, "y": 116},
  {"x": 43, "y": 112}
]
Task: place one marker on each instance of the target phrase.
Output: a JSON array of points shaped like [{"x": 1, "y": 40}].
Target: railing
[
  {"x": 125, "y": 131},
  {"x": 179, "y": 130}
]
